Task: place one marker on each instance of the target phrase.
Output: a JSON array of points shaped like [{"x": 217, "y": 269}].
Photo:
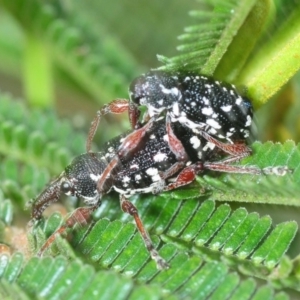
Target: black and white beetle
[
  {"x": 199, "y": 107},
  {"x": 152, "y": 168},
  {"x": 145, "y": 170},
  {"x": 161, "y": 154}
]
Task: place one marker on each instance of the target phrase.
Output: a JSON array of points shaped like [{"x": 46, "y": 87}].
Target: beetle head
[{"x": 79, "y": 179}]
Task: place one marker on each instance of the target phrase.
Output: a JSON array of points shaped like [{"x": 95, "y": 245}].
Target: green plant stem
[
  {"x": 243, "y": 43},
  {"x": 240, "y": 14},
  {"x": 275, "y": 64},
  {"x": 38, "y": 84}
]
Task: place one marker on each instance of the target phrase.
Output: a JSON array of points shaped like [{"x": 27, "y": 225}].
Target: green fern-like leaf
[
  {"x": 245, "y": 240},
  {"x": 206, "y": 43},
  {"x": 57, "y": 278}
]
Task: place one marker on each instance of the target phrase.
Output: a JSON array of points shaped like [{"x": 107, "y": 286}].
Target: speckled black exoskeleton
[
  {"x": 207, "y": 113},
  {"x": 165, "y": 151}
]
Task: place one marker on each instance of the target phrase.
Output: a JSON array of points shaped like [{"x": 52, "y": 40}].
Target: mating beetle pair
[{"x": 192, "y": 124}]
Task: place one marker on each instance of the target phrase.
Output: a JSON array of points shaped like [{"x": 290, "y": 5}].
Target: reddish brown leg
[
  {"x": 186, "y": 176},
  {"x": 236, "y": 150},
  {"x": 129, "y": 144},
  {"x": 225, "y": 167},
  {"x": 129, "y": 208},
  {"x": 106, "y": 174},
  {"x": 117, "y": 106},
  {"x": 174, "y": 143},
  {"x": 177, "y": 148},
  {"x": 134, "y": 114},
  {"x": 132, "y": 140},
  {"x": 80, "y": 216}
]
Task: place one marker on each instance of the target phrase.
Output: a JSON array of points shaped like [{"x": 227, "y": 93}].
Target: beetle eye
[{"x": 65, "y": 187}]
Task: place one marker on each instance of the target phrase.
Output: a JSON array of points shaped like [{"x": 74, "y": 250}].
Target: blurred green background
[
  {"x": 138, "y": 30},
  {"x": 37, "y": 62}
]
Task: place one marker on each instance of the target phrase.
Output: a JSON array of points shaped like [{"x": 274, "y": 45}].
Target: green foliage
[
  {"x": 216, "y": 250},
  {"x": 198, "y": 228},
  {"x": 46, "y": 278}
]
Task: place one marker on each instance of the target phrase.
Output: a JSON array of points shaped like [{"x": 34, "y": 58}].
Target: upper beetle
[{"x": 197, "y": 102}]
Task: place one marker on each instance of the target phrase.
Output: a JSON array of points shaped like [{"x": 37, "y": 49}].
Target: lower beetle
[{"x": 157, "y": 162}]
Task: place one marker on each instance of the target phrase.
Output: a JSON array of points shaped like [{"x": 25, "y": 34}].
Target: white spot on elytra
[
  {"x": 209, "y": 146},
  {"x": 156, "y": 178},
  {"x": 249, "y": 120},
  {"x": 200, "y": 154},
  {"x": 95, "y": 177},
  {"x": 246, "y": 134},
  {"x": 174, "y": 91},
  {"x": 195, "y": 142},
  {"x": 212, "y": 131},
  {"x": 135, "y": 166},
  {"x": 126, "y": 179},
  {"x": 176, "y": 109},
  {"x": 205, "y": 100},
  {"x": 152, "y": 137},
  {"x": 213, "y": 123},
  {"x": 226, "y": 108},
  {"x": 137, "y": 177},
  {"x": 152, "y": 171},
  {"x": 159, "y": 157},
  {"x": 207, "y": 111},
  {"x": 143, "y": 100},
  {"x": 166, "y": 138},
  {"x": 153, "y": 111},
  {"x": 238, "y": 101}
]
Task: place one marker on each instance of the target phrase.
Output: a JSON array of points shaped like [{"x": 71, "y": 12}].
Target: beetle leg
[
  {"x": 174, "y": 143},
  {"x": 117, "y": 106},
  {"x": 80, "y": 216},
  {"x": 239, "y": 150},
  {"x": 129, "y": 144},
  {"x": 186, "y": 176},
  {"x": 129, "y": 208},
  {"x": 227, "y": 168},
  {"x": 224, "y": 166},
  {"x": 178, "y": 150},
  {"x": 134, "y": 114}
]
